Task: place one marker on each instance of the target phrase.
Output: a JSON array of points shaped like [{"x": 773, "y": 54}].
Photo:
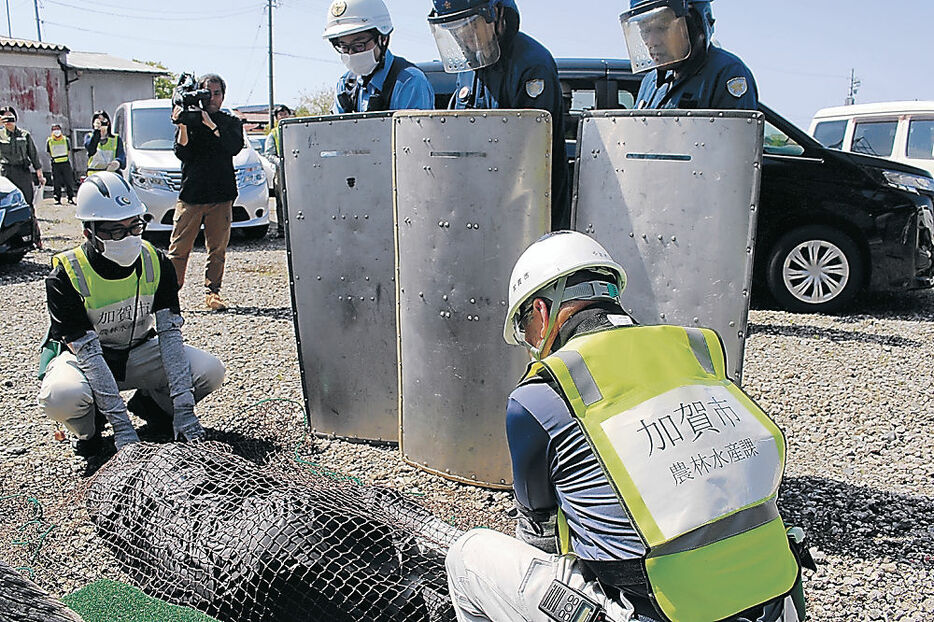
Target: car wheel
[
  {"x": 255, "y": 233},
  {"x": 815, "y": 269}
]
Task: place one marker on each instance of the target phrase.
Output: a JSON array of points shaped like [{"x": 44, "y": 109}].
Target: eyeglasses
[
  {"x": 118, "y": 232},
  {"x": 353, "y": 48}
]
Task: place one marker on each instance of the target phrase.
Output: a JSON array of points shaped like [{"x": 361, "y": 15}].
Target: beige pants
[
  {"x": 186, "y": 225},
  {"x": 66, "y": 397}
]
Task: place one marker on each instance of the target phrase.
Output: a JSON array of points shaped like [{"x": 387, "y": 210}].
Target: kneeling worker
[
  {"x": 113, "y": 303},
  {"x": 662, "y": 473}
]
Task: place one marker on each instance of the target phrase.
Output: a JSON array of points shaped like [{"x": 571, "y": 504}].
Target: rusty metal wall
[{"x": 40, "y": 99}]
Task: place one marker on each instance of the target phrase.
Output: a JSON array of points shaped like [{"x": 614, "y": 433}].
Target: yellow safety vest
[
  {"x": 58, "y": 148},
  {"x": 694, "y": 461},
  {"x": 110, "y": 303},
  {"x": 106, "y": 153}
]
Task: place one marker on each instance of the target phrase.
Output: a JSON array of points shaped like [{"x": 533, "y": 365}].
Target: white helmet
[
  {"x": 107, "y": 196},
  {"x": 348, "y": 17},
  {"x": 546, "y": 262}
]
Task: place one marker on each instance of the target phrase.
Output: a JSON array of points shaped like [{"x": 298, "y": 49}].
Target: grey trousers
[{"x": 66, "y": 397}]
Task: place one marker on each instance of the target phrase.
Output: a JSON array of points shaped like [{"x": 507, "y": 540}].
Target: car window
[
  {"x": 876, "y": 138},
  {"x": 625, "y": 99},
  {"x": 153, "y": 129},
  {"x": 921, "y": 140},
  {"x": 583, "y": 99},
  {"x": 777, "y": 142},
  {"x": 830, "y": 133}
]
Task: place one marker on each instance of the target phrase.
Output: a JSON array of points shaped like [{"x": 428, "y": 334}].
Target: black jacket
[{"x": 207, "y": 161}]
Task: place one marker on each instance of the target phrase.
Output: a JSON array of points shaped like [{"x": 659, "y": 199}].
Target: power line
[
  {"x": 135, "y": 38},
  {"x": 175, "y": 18}
]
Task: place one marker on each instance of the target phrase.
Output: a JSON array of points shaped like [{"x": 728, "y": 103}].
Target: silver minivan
[{"x": 156, "y": 175}]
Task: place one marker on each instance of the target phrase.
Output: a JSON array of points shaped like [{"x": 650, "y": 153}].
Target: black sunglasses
[{"x": 118, "y": 232}]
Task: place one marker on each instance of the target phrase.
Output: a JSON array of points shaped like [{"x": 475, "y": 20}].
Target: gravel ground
[{"x": 852, "y": 392}]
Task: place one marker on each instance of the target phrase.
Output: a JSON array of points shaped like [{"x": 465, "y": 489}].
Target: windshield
[{"x": 153, "y": 129}]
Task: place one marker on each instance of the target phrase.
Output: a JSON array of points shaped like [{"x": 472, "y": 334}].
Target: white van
[
  {"x": 900, "y": 131},
  {"x": 156, "y": 174}
]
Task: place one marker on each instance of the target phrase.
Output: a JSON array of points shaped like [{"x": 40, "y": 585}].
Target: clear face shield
[
  {"x": 466, "y": 40},
  {"x": 657, "y": 35}
]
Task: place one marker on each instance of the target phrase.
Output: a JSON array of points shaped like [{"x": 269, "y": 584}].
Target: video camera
[{"x": 191, "y": 98}]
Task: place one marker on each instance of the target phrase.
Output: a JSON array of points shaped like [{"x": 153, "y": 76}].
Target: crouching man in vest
[
  {"x": 657, "y": 475},
  {"x": 113, "y": 303}
]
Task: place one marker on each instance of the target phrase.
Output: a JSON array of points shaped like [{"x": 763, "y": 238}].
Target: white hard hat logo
[
  {"x": 123, "y": 200},
  {"x": 338, "y": 8}
]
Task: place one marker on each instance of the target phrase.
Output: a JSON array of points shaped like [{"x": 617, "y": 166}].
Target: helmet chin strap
[{"x": 537, "y": 351}]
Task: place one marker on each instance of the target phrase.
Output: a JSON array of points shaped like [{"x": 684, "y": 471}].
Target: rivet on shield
[
  {"x": 445, "y": 297},
  {"x": 697, "y": 320},
  {"x": 421, "y": 294},
  {"x": 660, "y": 238},
  {"x": 340, "y": 297},
  {"x": 732, "y": 324},
  {"x": 473, "y": 301},
  {"x": 674, "y": 238},
  {"x": 661, "y": 315},
  {"x": 472, "y": 120},
  {"x": 632, "y": 235},
  {"x": 505, "y": 120},
  {"x": 319, "y": 277}
]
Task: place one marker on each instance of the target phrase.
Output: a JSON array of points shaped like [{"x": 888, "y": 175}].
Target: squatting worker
[
  {"x": 376, "y": 80},
  {"x": 500, "y": 67},
  {"x": 209, "y": 187},
  {"x": 672, "y": 40},
  {"x": 18, "y": 154},
  {"x": 273, "y": 152},
  {"x": 58, "y": 146},
  {"x": 657, "y": 475},
  {"x": 105, "y": 149},
  {"x": 113, "y": 303}
]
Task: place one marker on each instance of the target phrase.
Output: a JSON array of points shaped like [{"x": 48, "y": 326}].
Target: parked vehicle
[
  {"x": 831, "y": 224},
  {"x": 900, "y": 131},
  {"x": 155, "y": 172},
  {"x": 17, "y": 228},
  {"x": 258, "y": 142}
]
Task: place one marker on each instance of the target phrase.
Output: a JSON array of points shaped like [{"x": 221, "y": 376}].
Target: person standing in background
[
  {"x": 18, "y": 155},
  {"x": 58, "y": 147},
  {"x": 105, "y": 150}
]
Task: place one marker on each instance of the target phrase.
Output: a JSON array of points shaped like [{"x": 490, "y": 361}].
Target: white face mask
[
  {"x": 362, "y": 64},
  {"x": 123, "y": 252},
  {"x": 56, "y": 133}
]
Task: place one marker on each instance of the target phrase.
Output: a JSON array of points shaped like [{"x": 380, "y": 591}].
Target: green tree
[
  {"x": 314, "y": 103},
  {"x": 162, "y": 85}
]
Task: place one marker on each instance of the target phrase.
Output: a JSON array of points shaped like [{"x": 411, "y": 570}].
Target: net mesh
[{"x": 199, "y": 526}]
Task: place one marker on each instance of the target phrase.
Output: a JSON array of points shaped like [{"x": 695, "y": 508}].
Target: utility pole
[
  {"x": 854, "y": 88},
  {"x": 35, "y": 4},
  {"x": 9, "y": 24},
  {"x": 272, "y": 95}
]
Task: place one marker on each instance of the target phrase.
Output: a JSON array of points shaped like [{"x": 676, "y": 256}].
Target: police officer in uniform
[
  {"x": 671, "y": 39},
  {"x": 500, "y": 67},
  {"x": 376, "y": 80},
  {"x": 18, "y": 154},
  {"x": 657, "y": 475},
  {"x": 115, "y": 326}
]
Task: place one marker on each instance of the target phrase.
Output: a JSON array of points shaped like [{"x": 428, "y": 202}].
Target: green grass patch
[{"x": 110, "y": 601}]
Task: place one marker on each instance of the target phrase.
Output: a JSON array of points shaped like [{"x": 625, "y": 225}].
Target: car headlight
[
  {"x": 14, "y": 198},
  {"x": 251, "y": 175},
  {"x": 2, "y": 215},
  {"x": 908, "y": 181},
  {"x": 146, "y": 179}
]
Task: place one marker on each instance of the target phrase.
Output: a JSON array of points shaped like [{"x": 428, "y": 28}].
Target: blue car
[{"x": 18, "y": 234}]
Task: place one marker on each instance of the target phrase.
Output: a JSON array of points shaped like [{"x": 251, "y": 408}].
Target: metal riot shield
[
  {"x": 338, "y": 193},
  {"x": 673, "y": 197},
  {"x": 472, "y": 192}
]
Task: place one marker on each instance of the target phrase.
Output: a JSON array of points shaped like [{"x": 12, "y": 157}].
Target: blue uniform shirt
[
  {"x": 525, "y": 77},
  {"x": 722, "y": 82},
  {"x": 412, "y": 92}
]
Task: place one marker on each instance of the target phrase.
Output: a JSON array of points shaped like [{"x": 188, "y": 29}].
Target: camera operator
[{"x": 206, "y": 145}]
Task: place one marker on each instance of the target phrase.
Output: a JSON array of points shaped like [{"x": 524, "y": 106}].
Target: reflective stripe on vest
[
  {"x": 109, "y": 303},
  {"x": 106, "y": 153},
  {"x": 694, "y": 461},
  {"x": 277, "y": 137},
  {"x": 58, "y": 149}
]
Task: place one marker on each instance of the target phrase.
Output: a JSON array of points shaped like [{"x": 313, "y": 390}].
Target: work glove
[
  {"x": 185, "y": 422},
  {"x": 113, "y": 167}
]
